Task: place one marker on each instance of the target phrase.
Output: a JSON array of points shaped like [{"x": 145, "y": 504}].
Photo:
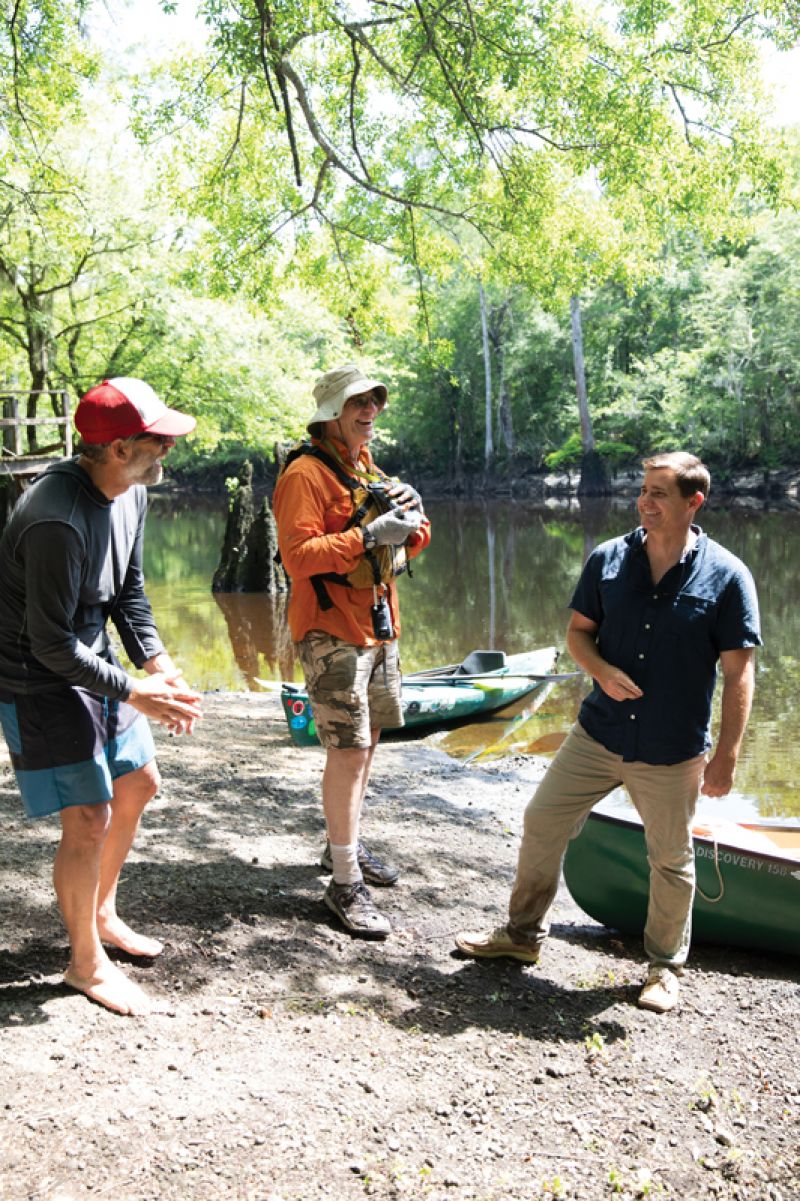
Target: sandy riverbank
[{"x": 288, "y": 1061}]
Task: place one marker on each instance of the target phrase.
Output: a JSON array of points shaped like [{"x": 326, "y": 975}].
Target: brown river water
[{"x": 497, "y": 575}]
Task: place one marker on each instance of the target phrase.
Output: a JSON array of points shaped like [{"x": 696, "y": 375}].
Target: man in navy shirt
[{"x": 653, "y": 614}]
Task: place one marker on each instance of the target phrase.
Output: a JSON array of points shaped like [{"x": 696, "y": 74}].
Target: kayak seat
[{"x": 478, "y": 662}]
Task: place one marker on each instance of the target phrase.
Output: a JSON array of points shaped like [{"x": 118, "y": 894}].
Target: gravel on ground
[{"x": 287, "y": 1061}]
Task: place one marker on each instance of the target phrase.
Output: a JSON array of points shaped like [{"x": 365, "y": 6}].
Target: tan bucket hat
[{"x": 333, "y": 390}]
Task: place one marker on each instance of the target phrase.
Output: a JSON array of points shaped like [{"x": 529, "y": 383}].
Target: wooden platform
[
  {"x": 14, "y": 463},
  {"x": 26, "y": 465}
]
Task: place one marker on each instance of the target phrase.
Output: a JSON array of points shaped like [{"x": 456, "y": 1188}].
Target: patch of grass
[
  {"x": 707, "y": 1095},
  {"x": 553, "y": 1187},
  {"x": 632, "y": 1186},
  {"x": 596, "y": 1048}
]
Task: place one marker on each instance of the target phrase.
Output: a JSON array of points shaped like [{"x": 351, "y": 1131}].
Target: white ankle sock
[{"x": 345, "y": 864}]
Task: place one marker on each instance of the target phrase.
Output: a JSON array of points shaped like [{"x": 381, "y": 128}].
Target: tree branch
[
  {"x": 337, "y": 161},
  {"x": 278, "y": 69},
  {"x": 7, "y": 324},
  {"x": 293, "y": 215},
  {"x": 80, "y": 325},
  {"x": 423, "y": 304},
  {"x": 236, "y": 137},
  {"x": 450, "y": 83},
  {"x": 351, "y": 111}
]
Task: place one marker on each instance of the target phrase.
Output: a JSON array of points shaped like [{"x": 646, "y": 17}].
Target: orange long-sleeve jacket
[{"x": 311, "y": 508}]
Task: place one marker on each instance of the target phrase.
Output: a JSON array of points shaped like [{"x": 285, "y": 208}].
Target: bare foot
[
  {"x": 114, "y": 931},
  {"x": 112, "y": 988}
]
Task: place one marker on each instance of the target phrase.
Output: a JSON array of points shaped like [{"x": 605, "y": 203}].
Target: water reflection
[
  {"x": 259, "y": 635},
  {"x": 498, "y": 575}
]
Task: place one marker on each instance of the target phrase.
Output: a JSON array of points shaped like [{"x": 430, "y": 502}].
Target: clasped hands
[
  {"x": 405, "y": 516},
  {"x": 165, "y": 697}
]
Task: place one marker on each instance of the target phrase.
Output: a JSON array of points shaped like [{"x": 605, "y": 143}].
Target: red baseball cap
[{"x": 120, "y": 408}]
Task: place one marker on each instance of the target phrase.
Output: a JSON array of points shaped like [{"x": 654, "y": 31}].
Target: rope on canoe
[{"x": 714, "y": 900}]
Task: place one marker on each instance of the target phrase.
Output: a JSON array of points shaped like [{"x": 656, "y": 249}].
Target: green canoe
[
  {"x": 748, "y": 880},
  {"x": 483, "y": 682}
]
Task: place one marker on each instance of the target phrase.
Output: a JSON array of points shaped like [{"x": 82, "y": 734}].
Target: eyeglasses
[
  {"x": 366, "y": 401},
  {"x": 164, "y": 439}
]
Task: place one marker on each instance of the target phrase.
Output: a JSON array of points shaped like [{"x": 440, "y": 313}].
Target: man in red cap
[{"x": 73, "y": 718}]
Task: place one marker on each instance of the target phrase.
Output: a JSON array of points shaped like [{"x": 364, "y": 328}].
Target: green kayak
[
  {"x": 481, "y": 683},
  {"x": 748, "y": 880}
]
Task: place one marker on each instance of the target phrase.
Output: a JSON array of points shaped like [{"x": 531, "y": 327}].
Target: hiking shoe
[
  {"x": 356, "y": 910},
  {"x": 373, "y": 871},
  {"x": 661, "y": 990},
  {"x": 497, "y": 945}
]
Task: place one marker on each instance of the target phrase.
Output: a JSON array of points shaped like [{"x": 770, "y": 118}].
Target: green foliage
[
  {"x": 721, "y": 374},
  {"x": 316, "y": 170},
  {"x": 563, "y": 140},
  {"x": 441, "y": 383},
  {"x": 571, "y": 453},
  {"x": 98, "y": 278}
]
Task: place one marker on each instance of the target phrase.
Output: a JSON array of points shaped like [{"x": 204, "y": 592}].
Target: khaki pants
[{"x": 581, "y": 774}]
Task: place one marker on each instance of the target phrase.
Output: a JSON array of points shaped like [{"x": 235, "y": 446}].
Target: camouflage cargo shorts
[{"x": 352, "y": 689}]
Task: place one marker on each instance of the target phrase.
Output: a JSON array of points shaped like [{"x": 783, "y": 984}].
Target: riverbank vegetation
[{"x": 491, "y": 207}]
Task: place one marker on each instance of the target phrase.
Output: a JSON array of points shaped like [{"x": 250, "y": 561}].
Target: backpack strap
[{"x": 351, "y": 483}]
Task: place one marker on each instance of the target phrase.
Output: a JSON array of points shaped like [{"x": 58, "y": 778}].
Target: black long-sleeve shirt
[{"x": 70, "y": 560}]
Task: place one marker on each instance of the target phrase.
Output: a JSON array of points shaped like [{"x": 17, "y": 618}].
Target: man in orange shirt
[{"x": 344, "y": 531}]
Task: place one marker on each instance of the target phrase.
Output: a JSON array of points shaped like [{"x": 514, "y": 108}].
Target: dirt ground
[{"x": 287, "y": 1061}]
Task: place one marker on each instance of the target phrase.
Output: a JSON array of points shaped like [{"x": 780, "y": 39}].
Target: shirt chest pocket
[
  {"x": 338, "y": 512},
  {"x": 690, "y": 617}
]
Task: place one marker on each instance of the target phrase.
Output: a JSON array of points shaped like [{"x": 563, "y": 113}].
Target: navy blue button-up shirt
[{"x": 667, "y": 637}]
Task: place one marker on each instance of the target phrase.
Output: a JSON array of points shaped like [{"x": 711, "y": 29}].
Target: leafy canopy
[{"x": 567, "y": 134}]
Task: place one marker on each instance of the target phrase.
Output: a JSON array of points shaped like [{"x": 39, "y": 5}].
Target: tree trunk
[
  {"x": 506, "y": 416},
  {"x": 38, "y": 319},
  {"x": 262, "y": 573},
  {"x": 594, "y": 479},
  {"x": 233, "y": 560},
  {"x": 488, "y": 446},
  {"x": 490, "y": 541},
  {"x": 496, "y": 330},
  {"x": 456, "y": 441}
]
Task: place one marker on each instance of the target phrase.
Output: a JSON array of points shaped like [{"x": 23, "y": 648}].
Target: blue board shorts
[{"x": 68, "y": 745}]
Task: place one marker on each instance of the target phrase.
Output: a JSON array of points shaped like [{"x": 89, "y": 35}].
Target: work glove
[
  {"x": 404, "y": 495},
  {"x": 392, "y": 528}
]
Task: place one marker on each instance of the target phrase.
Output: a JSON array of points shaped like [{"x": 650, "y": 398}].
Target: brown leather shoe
[
  {"x": 661, "y": 992},
  {"x": 498, "y": 944}
]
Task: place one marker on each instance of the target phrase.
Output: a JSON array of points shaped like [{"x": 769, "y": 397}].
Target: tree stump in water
[
  {"x": 247, "y": 563},
  {"x": 594, "y": 476}
]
